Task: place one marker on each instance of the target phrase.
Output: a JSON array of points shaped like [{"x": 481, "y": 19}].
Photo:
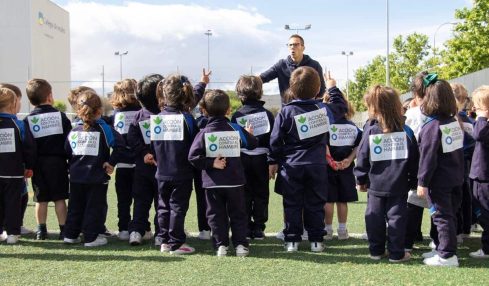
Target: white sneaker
[
  {"x": 71, "y": 240},
  {"x": 242, "y": 251},
  {"x": 12, "y": 239},
  {"x": 291, "y": 246},
  {"x": 375, "y": 257},
  {"x": 123, "y": 235},
  {"x": 165, "y": 248},
  {"x": 24, "y": 230},
  {"x": 429, "y": 254},
  {"x": 280, "y": 235},
  {"x": 343, "y": 234},
  {"x": 223, "y": 251},
  {"x": 432, "y": 245},
  {"x": 158, "y": 241},
  {"x": 317, "y": 246},
  {"x": 479, "y": 254},
  {"x": 329, "y": 234},
  {"x": 107, "y": 233},
  {"x": 438, "y": 261},
  {"x": 148, "y": 235},
  {"x": 305, "y": 235},
  {"x": 97, "y": 242},
  {"x": 183, "y": 249},
  {"x": 204, "y": 235},
  {"x": 3, "y": 236},
  {"x": 475, "y": 228},
  {"x": 135, "y": 238},
  {"x": 364, "y": 236},
  {"x": 407, "y": 257}
]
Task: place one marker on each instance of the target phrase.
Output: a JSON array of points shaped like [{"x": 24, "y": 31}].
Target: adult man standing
[{"x": 284, "y": 67}]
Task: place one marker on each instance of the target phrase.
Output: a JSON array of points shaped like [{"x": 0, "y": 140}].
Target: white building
[{"x": 35, "y": 43}]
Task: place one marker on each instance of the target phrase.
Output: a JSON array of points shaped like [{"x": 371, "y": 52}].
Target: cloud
[{"x": 164, "y": 38}]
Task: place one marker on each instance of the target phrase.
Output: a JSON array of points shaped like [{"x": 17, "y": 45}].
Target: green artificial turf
[{"x": 342, "y": 263}]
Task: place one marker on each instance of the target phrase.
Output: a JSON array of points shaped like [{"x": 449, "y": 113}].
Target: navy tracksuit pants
[
  {"x": 10, "y": 204},
  {"x": 304, "y": 191},
  {"x": 481, "y": 194},
  {"x": 145, "y": 194},
  {"x": 394, "y": 211},
  {"x": 225, "y": 208},
  {"x": 444, "y": 221},
  {"x": 86, "y": 209},
  {"x": 173, "y": 201},
  {"x": 123, "y": 187}
]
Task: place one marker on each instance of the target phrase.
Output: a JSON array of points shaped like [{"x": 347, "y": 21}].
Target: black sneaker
[{"x": 258, "y": 234}]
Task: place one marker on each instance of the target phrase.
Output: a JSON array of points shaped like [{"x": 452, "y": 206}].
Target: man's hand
[
  {"x": 219, "y": 162},
  {"x": 205, "y": 76}
]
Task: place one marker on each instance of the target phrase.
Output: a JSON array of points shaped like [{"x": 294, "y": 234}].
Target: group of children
[{"x": 159, "y": 150}]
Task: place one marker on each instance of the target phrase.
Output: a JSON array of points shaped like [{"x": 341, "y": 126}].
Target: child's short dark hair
[
  {"x": 417, "y": 87},
  {"x": 38, "y": 91},
  {"x": 13, "y": 88},
  {"x": 249, "y": 87},
  {"x": 439, "y": 100},
  {"x": 304, "y": 83},
  {"x": 216, "y": 102},
  {"x": 176, "y": 91},
  {"x": 146, "y": 92}
]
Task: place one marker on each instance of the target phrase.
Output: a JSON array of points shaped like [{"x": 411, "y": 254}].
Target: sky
[{"x": 247, "y": 36}]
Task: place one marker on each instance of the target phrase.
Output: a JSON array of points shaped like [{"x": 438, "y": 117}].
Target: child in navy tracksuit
[
  {"x": 25, "y": 195},
  {"x": 91, "y": 163},
  {"x": 255, "y": 162},
  {"x": 125, "y": 108},
  {"x": 344, "y": 137},
  {"x": 50, "y": 128},
  {"x": 203, "y": 225},
  {"x": 172, "y": 133},
  {"x": 216, "y": 151},
  {"x": 441, "y": 168},
  {"x": 387, "y": 161},
  {"x": 479, "y": 170},
  {"x": 298, "y": 146},
  {"x": 145, "y": 187},
  {"x": 18, "y": 149},
  {"x": 464, "y": 214}
]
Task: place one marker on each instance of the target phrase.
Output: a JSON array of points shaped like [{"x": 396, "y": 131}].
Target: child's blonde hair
[
  {"x": 384, "y": 105},
  {"x": 480, "y": 96},
  {"x": 89, "y": 108},
  {"x": 461, "y": 95},
  {"x": 124, "y": 94},
  {"x": 7, "y": 98},
  {"x": 74, "y": 93}
]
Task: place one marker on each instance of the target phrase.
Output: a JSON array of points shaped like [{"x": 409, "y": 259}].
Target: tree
[
  {"x": 468, "y": 51},
  {"x": 408, "y": 58}
]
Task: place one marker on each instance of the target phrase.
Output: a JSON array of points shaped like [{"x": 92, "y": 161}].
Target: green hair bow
[{"x": 430, "y": 79}]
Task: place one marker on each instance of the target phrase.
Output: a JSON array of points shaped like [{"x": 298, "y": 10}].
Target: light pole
[
  {"x": 208, "y": 34},
  {"x": 387, "y": 64},
  {"x": 434, "y": 35},
  {"x": 297, "y": 29},
  {"x": 347, "y": 54},
  {"x": 120, "y": 54}
]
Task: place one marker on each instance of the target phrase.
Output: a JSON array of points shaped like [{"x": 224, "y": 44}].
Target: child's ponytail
[{"x": 89, "y": 108}]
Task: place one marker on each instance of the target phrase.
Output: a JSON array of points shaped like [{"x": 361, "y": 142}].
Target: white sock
[
  {"x": 342, "y": 226},
  {"x": 329, "y": 228}
]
